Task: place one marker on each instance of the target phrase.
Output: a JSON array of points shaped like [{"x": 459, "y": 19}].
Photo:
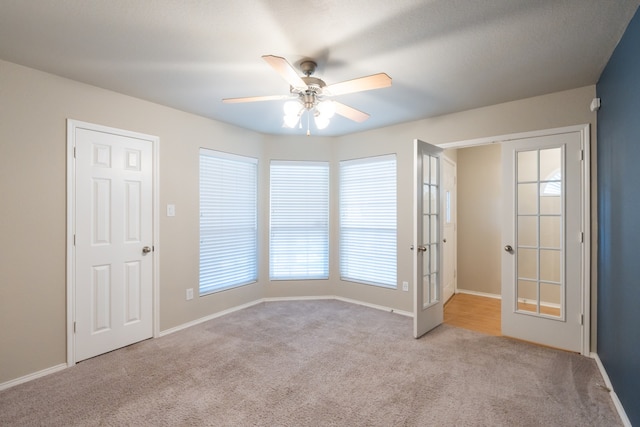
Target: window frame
[
  {"x": 351, "y": 260},
  {"x": 244, "y": 250},
  {"x": 317, "y": 237}
]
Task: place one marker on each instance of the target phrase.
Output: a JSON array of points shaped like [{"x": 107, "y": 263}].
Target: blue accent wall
[{"x": 619, "y": 220}]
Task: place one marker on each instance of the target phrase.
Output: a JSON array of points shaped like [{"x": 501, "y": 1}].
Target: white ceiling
[{"x": 443, "y": 55}]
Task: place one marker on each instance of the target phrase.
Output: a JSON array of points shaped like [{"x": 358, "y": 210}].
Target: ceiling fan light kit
[{"x": 310, "y": 94}]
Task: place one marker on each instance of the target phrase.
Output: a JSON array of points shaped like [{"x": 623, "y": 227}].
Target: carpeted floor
[{"x": 318, "y": 363}]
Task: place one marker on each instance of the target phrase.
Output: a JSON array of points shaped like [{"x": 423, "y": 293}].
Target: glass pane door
[
  {"x": 430, "y": 229},
  {"x": 428, "y": 307},
  {"x": 540, "y": 220}
]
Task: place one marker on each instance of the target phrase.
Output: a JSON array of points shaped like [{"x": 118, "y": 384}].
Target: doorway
[
  {"x": 111, "y": 234},
  {"x": 483, "y": 278}
]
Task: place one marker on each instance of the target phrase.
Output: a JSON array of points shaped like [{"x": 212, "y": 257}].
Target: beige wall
[
  {"x": 480, "y": 219},
  {"x": 294, "y": 148},
  {"x": 34, "y": 107},
  {"x": 353, "y": 147}
]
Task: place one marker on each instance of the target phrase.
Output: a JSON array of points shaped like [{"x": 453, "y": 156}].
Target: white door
[
  {"x": 449, "y": 240},
  {"x": 114, "y": 240},
  {"x": 428, "y": 312},
  {"x": 542, "y": 267}
]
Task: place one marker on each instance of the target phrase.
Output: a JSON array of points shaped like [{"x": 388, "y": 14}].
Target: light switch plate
[{"x": 171, "y": 210}]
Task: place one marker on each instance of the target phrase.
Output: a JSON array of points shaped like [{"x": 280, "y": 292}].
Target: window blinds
[
  {"x": 299, "y": 220},
  {"x": 228, "y": 221},
  {"x": 368, "y": 220}
]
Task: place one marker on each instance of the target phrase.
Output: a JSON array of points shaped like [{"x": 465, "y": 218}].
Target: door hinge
[
  {"x": 74, "y": 327},
  {"x": 74, "y": 152},
  {"x": 581, "y": 154},
  {"x": 581, "y": 237},
  {"x": 582, "y": 319},
  {"x": 74, "y": 240}
]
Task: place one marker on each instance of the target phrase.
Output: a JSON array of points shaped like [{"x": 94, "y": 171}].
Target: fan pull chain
[{"x": 308, "y": 132}]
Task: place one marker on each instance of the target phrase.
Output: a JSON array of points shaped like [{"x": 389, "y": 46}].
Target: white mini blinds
[
  {"x": 368, "y": 220},
  {"x": 228, "y": 221},
  {"x": 299, "y": 220}
]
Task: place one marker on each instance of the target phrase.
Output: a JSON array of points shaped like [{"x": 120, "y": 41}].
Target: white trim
[
  {"x": 72, "y": 125},
  {"x": 478, "y": 294},
  {"x": 33, "y": 376},
  {"x": 377, "y": 307},
  {"x": 209, "y": 317},
  {"x": 349, "y": 300},
  {"x": 584, "y": 131},
  {"x": 511, "y": 136},
  {"x": 614, "y": 397},
  {"x": 585, "y": 134}
]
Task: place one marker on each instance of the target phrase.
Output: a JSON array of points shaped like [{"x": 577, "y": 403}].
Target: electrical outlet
[
  {"x": 405, "y": 286},
  {"x": 189, "y": 294}
]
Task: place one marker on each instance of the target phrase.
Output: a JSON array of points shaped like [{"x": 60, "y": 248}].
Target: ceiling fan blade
[
  {"x": 282, "y": 67},
  {"x": 376, "y": 81},
  {"x": 350, "y": 112},
  {"x": 255, "y": 99}
]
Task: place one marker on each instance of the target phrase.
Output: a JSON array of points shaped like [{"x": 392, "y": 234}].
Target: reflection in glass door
[{"x": 540, "y": 215}]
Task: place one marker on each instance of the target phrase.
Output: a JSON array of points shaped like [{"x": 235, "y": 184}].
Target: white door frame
[
  {"x": 585, "y": 137},
  {"x": 72, "y": 125},
  {"x": 454, "y": 165}
]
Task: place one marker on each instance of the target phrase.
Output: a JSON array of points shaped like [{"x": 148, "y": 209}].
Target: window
[
  {"x": 228, "y": 221},
  {"x": 368, "y": 222},
  {"x": 299, "y": 224}
]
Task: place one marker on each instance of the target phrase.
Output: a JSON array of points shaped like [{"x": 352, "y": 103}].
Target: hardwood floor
[{"x": 473, "y": 312}]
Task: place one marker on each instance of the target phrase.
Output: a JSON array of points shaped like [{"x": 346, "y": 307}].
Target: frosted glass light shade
[
  {"x": 291, "y": 121},
  {"x": 326, "y": 109},
  {"x": 321, "y": 121},
  {"x": 292, "y": 108}
]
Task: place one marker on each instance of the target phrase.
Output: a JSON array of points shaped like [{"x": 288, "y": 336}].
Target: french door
[
  {"x": 543, "y": 233},
  {"x": 427, "y": 247}
]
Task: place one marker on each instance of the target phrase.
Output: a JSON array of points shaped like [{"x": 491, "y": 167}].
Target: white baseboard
[
  {"x": 612, "y": 393},
  {"x": 377, "y": 307},
  {"x": 542, "y": 304},
  {"x": 32, "y": 376},
  {"x": 351, "y": 301},
  {"x": 478, "y": 294},
  {"x": 206, "y": 318}
]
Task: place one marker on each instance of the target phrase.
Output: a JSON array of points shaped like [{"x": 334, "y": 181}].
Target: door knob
[
  {"x": 508, "y": 248},
  {"x": 422, "y": 248},
  {"x": 146, "y": 250}
]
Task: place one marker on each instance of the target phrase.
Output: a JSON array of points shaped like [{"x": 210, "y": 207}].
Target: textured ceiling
[{"x": 443, "y": 55}]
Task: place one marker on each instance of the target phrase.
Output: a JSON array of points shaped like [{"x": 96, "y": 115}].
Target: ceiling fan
[{"x": 312, "y": 94}]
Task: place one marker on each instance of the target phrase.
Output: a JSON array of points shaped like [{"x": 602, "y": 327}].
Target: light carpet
[{"x": 318, "y": 363}]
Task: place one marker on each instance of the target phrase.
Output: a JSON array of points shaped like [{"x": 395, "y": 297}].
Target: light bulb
[
  {"x": 321, "y": 121},
  {"x": 292, "y": 108},
  {"x": 326, "y": 109},
  {"x": 291, "y": 121}
]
